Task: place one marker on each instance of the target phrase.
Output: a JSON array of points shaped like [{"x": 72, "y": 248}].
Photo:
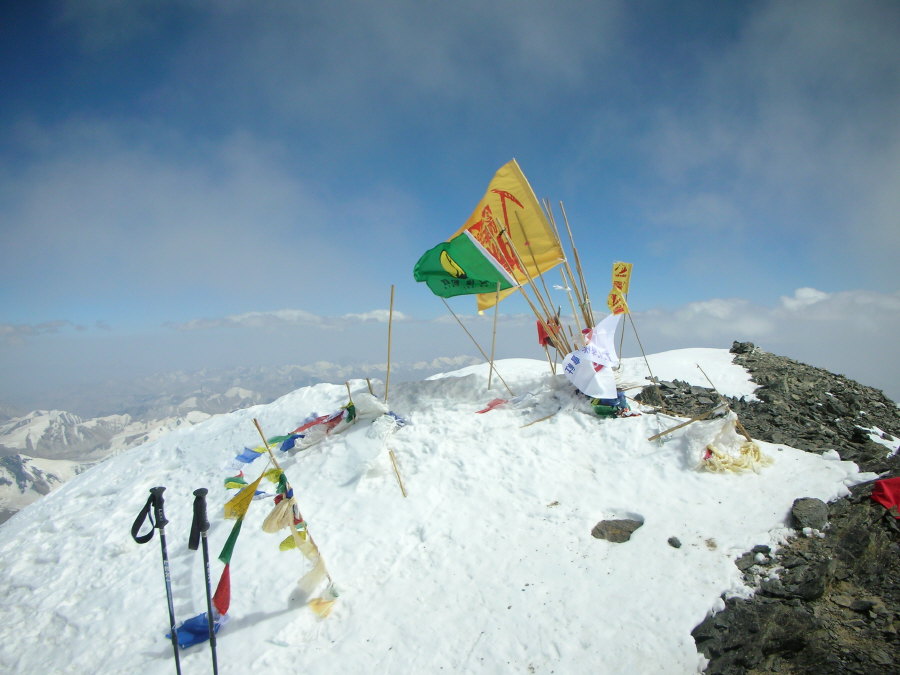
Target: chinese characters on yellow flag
[
  {"x": 510, "y": 206},
  {"x": 616, "y": 302},
  {"x": 621, "y": 277}
]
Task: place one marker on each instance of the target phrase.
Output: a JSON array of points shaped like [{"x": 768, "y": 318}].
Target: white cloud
[
  {"x": 18, "y": 333},
  {"x": 804, "y": 297},
  {"x": 289, "y": 317},
  {"x": 849, "y": 332},
  {"x": 256, "y": 319},
  {"x": 853, "y": 333},
  {"x": 379, "y": 315}
]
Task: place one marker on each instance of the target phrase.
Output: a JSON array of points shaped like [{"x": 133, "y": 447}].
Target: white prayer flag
[{"x": 590, "y": 368}]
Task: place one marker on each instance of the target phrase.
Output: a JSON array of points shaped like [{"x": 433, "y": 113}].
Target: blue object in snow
[{"x": 194, "y": 631}]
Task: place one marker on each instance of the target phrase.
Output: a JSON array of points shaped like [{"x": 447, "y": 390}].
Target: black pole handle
[
  {"x": 160, "y": 517},
  {"x": 200, "y": 525},
  {"x": 157, "y": 517}
]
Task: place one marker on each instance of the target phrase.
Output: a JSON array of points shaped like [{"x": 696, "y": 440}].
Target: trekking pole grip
[
  {"x": 200, "y": 508},
  {"x": 156, "y": 494},
  {"x": 200, "y": 523}
]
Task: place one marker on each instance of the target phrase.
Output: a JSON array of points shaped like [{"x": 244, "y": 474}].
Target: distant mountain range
[{"x": 42, "y": 449}]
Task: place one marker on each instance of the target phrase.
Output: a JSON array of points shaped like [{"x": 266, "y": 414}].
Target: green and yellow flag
[
  {"x": 461, "y": 266},
  {"x": 506, "y": 232}
]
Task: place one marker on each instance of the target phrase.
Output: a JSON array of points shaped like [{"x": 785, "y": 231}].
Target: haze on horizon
[{"x": 186, "y": 185}]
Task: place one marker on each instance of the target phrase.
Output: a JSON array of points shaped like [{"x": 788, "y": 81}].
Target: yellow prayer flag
[
  {"x": 237, "y": 506},
  {"x": 309, "y": 581},
  {"x": 306, "y": 545},
  {"x": 510, "y": 205},
  {"x": 616, "y": 302},
  {"x": 321, "y": 607},
  {"x": 621, "y": 276},
  {"x": 280, "y": 517}
]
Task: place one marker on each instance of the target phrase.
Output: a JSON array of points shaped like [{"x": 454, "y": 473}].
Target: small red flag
[
  {"x": 544, "y": 338},
  {"x": 222, "y": 597}
]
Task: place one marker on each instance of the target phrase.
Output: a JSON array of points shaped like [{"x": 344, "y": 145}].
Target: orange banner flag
[{"x": 510, "y": 206}]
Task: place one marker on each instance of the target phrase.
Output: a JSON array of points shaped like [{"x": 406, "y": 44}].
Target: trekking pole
[
  {"x": 158, "y": 521},
  {"x": 198, "y": 534}
]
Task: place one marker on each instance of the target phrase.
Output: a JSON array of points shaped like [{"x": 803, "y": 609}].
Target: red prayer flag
[
  {"x": 222, "y": 597},
  {"x": 887, "y": 493},
  {"x": 544, "y": 338},
  {"x": 493, "y": 404}
]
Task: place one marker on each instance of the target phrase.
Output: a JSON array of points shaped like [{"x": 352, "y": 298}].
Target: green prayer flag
[
  {"x": 461, "y": 266},
  {"x": 228, "y": 548}
]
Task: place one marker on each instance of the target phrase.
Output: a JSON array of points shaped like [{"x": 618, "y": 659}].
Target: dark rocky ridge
[{"x": 823, "y": 604}]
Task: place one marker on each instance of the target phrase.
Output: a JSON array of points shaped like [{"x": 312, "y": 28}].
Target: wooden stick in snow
[
  {"x": 494, "y": 333},
  {"x": 587, "y": 299},
  {"x": 475, "y": 342},
  {"x": 570, "y": 283},
  {"x": 696, "y": 418},
  {"x": 397, "y": 472},
  {"x": 387, "y": 380}
]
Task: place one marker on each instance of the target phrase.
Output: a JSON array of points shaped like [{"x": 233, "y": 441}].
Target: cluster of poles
[
  {"x": 560, "y": 335},
  {"x": 155, "y": 512}
]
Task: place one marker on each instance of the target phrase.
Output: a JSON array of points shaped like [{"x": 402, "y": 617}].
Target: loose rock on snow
[{"x": 616, "y": 530}]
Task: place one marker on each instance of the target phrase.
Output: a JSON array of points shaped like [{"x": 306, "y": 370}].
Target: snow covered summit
[{"x": 487, "y": 566}]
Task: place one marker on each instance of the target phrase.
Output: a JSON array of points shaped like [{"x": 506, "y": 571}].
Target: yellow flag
[
  {"x": 321, "y": 607},
  {"x": 510, "y": 205},
  {"x": 616, "y": 302},
  {"x": 237, "y": 506},
  {"x": 621, "y": 276}
]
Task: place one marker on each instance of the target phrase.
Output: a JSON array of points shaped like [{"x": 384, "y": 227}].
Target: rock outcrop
[{"x": 829, "y": 600}]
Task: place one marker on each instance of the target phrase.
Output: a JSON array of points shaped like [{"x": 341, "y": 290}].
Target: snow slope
[{"x": 488, "y": 566}]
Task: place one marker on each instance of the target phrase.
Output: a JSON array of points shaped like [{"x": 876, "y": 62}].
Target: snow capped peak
[{"x": 488, "y": 565}]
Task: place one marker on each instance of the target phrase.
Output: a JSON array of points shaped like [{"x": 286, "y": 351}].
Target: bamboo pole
[
  {"x": 543, "y": 322},
  {"x": 646, "y": 361},
  {"x": 369, "y": 383},
  {"x": 494, "y": 333},
  {"x": 266, "y": 445},
  {"x": 588, "y": 324},
  {"x": 475, "y": 342},
  {"x": 568, "y": 288},
  {"x": 587, "y": 298},
  {"x": 540, "y": 419},
  {"x": 696, "y": 418},
  {"x": 544, "y": 306},
  {"x": 397, "y": 472},
  {"x": 387, "y": 380},
  {"x": 622, "y": 337},
  {"x": 528, "y": 277},
  {"x": 550, "y": 360},
  {"x": 533, "y": 259},
  {"x": 539, "y": 316},
  {"x": 277, "y": 466}
]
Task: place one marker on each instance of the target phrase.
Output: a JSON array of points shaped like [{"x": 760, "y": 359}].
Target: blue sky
[{"x": 173, "y": 171}]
